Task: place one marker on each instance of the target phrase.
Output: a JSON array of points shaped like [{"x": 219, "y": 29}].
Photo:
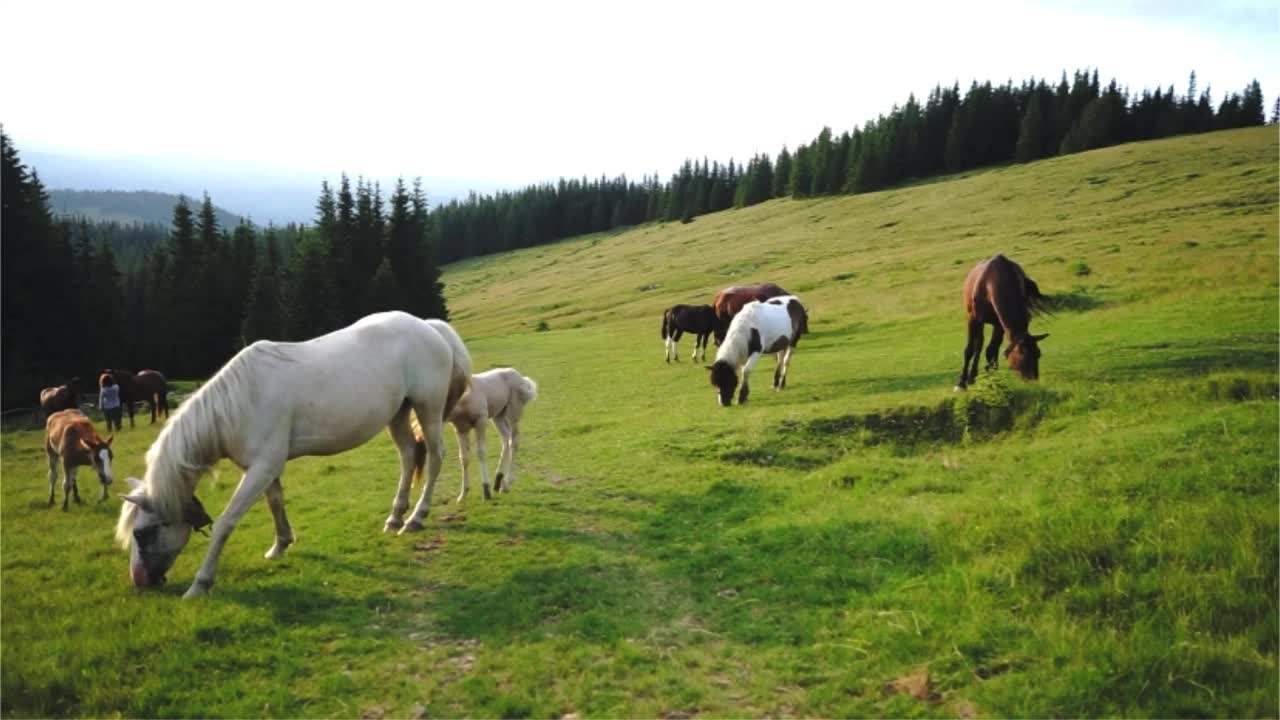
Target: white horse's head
[{"x": 155, "y": 541}]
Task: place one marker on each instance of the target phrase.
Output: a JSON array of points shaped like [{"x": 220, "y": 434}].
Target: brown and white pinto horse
[
  {"x": 998, "y": 293},
  {"x": 772, "y": 326},
  {"x": 730, "y": 300},
  {"x": 69, "y": 435},
  {"x": 148, "y": 385},
  {"x": 61, "y": 397}
]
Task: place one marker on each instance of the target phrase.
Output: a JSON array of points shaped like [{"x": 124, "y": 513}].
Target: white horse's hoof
[
  {"x": 959, "y": 388},
  {"x": 411, "y": 527},
  {"x": 392, "y": 524},
  {"x": 196, "y": 590}
]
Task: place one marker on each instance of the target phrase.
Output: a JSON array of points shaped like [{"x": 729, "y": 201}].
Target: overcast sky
[{"x": 510, "y": 93}]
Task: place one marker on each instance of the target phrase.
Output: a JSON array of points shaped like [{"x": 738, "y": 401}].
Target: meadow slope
[{"x": 1101, "y": 543}]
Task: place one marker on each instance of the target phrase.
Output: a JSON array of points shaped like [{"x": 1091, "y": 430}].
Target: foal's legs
[
  {"x": 254, "y": 483},
  {"x": 69, "y": 483},
  {"x": 53, "y": 472},
  {"x": 971, "y": 350},
  {"x": 509, "y": 430},
  {"x": 402, "y": 436},
  {"x": 431, "y": 423},
  {"x": 464, "y": 457},
  {"x": 993, "y": 350},
  {"x": 284, "y": 533}
]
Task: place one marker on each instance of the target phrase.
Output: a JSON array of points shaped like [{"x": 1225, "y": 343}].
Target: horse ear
[
  {"x": 133, "y": 482},
  {"x": 1038, "y": 338},
  {"x": 140, "y": 500},
  {"x": 109, "y": 439},
  {"x": 709, "y": 367}
]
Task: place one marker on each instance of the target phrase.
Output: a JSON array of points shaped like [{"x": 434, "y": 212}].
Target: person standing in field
[{"x": 109, "y": 402}]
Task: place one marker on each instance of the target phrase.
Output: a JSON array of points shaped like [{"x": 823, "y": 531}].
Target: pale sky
[{"x": 508, "y": 93}]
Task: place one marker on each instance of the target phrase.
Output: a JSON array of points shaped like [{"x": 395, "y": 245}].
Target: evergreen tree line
[
  {"x": 950, "y": 132},
  {"x": 188, "y": 299}
]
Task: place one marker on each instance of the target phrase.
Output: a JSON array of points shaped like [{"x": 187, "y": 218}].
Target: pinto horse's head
[
  {"x": 725, "y": 377},
  {"x": 1024, "y": 356},
  {"x": 154, "y": 540}
]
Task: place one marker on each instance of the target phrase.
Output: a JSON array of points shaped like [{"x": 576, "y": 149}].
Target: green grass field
[{"x": 1102, "y": 543}]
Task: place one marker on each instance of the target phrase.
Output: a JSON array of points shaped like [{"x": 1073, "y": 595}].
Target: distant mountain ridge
[{"x": 128, "y": 207}]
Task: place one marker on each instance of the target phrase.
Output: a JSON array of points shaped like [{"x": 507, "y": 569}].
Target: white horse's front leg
[{"x": 252, "y": 486}]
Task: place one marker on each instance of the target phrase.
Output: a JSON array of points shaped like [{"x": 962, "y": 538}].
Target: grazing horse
[
  {"x": 729, "y": 301},
  {"x": 147, "y": 385},
  {"x": 498, "y": 395},
  {"x": 275, "y": 401},
  {"x": 69, "y": 435},
  {"x": 61, "y": 397},
  {"x": 772, "y": 326},
  {"x": 680, "y": 319},
  {"x": 998, "y": 293}
]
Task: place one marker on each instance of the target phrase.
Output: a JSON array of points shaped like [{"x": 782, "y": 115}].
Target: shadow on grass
[
  {"x": 1198, "y": 358},
  {"x": 697, "y": 562}
]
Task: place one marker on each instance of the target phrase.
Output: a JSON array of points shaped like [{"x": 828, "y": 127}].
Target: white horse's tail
[
  {"x": 526, "y": 389},
  {"x": 460, "y": 376},
  {"x": 459, "y": 382}
]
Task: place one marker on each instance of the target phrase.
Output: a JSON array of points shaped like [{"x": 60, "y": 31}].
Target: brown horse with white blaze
[
  {"x": 69, "y": 435},
  {"x": 998, "y": 293},
  {"x": 729, "y": 301}
]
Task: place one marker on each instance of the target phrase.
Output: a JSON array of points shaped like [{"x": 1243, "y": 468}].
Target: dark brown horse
[
  {"x": 998, "y": 293},
  {"x": 731, "y": 299},
  {"x": 700, "y": 320},
  {"x": 62, "y": 397},
  {"x": 147, "y": 385}
]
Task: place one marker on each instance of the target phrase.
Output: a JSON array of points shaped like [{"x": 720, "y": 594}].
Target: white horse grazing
[
  {"x": 772, "y": 326},
  {"x": 277, "y": 401},
  {"x": 498, "y": 395}
]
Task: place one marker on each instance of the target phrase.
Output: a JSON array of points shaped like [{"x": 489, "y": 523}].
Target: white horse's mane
[{"x": 193, "y": 438}]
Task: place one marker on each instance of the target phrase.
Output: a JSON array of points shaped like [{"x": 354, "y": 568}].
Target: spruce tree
[
  {"x": 311, "y": 303},
  {"x": 1031, "y": 132},
  {"x": 264, "y": 304}
]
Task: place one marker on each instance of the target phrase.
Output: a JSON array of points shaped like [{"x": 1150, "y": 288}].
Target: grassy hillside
[{"x": 1104, "y": 542}]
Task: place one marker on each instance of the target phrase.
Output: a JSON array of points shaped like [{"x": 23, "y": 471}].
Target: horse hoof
[
  {"x": 487, "y": 494},
  {"x": 413, "y": 526},
  {"x": 959, "y": 388},
  {"x": 392, "y": 524}
]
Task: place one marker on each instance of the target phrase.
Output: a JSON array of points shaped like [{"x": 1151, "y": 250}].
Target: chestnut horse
[
  {"x": 998, "y": 293},
  {"x": 69, "y": 436},
  {"x": 148, "y": 385},
  {"x": 62, "y": 397},
  {"x": 731, "y": 299}
]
